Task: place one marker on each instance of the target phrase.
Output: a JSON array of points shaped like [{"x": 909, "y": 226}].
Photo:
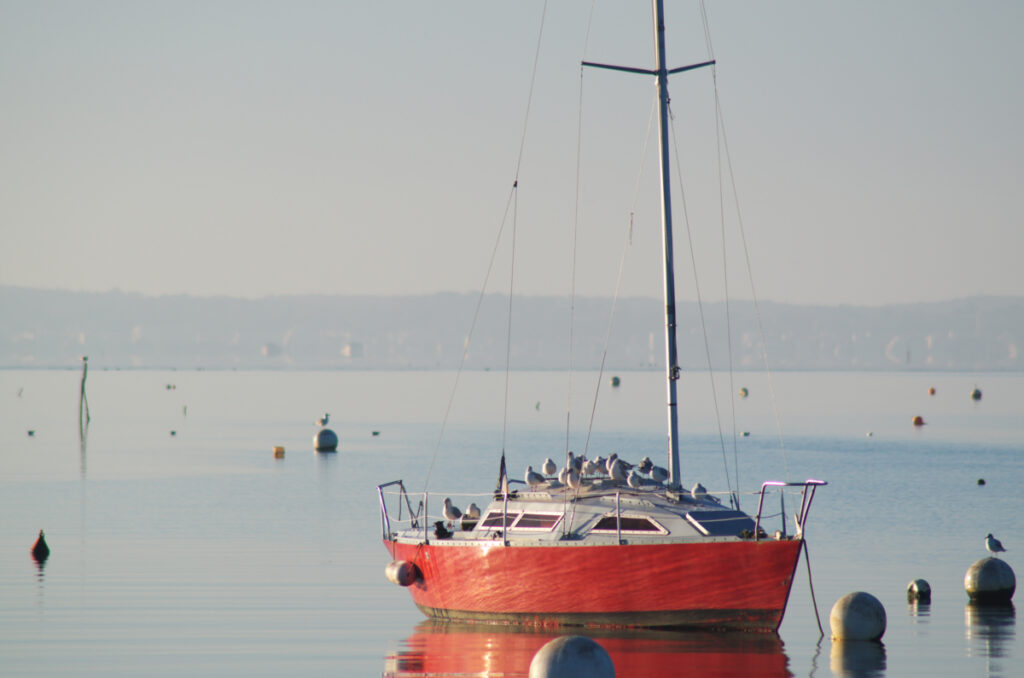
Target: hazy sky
[{"x": 260, "y": 148}]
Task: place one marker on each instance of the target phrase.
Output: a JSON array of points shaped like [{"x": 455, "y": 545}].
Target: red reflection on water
[{"x": 439, "y": 649}]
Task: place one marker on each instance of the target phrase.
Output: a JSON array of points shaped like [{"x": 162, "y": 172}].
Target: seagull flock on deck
[{"x": 579, "y": 471}]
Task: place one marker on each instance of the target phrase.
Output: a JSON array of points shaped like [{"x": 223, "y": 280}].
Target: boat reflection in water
[{"x": 446, "y": 649}]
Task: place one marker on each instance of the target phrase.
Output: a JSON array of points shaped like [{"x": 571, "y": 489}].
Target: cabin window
[
  {"x": 630, "y": 525},
  {"x": 494, "y": 519},
  {"x": 537, "y": 521}
]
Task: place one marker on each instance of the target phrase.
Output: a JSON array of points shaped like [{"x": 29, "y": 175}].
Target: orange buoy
[
  {"x": 931, "y": 391},
  {"x": 919, "y": 420}
]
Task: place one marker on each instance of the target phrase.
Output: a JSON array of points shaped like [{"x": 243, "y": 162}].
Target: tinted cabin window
[
  {"x": 538, "y": 521},
  {"x": 495, "y": 519},
  {"x": 629, "y": 524}
]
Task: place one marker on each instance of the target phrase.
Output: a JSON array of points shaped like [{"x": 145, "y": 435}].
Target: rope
[{"x": 807, "y": 559}]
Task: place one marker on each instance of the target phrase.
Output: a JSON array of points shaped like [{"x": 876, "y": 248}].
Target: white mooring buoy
[
  {"x": 857, "y": 616},
  {"x": 325, "y": 440},
  {"x": 570, "y": 656},
  {"x": 990, "y": 580},
  {"x": 919, "y": 591}
]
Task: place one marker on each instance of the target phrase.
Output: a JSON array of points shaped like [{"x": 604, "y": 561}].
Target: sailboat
[{"x": 607, "y": 543}]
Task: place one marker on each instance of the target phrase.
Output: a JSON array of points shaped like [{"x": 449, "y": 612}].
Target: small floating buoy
[
  {"x": 325, "y": 440},
  {"x": 616, "y": 381},
  {"x": 990, "y": 581},
  {"x": 981, "y": 481},
  {"x": 376, "y": 433},
  {"x": 744, "y": 392},
  {"x": 278, "y": 452},
  {"x": 919, "y": 420},
  {"x": 931, "y": 390},
  {"x": 745, "y": 434},
  {"x": 857, "y": 616},
  {"x": 919, "y": 591},
  {"x": 976, "y": 394},
  {"x": 402, "y": 572},
  {"x": 40, "y": 550},
  {"x": 572, "y": 656},
  {"x": 31, "y": 432},
  {"x": 870, "y": 433},
  {"x": 174, "y": 433}
]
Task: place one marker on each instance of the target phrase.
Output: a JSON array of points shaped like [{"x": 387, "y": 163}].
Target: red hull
[{"x": 740, "y": 585}]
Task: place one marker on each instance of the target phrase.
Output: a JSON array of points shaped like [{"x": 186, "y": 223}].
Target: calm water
[{"x": 199, "y": 553}]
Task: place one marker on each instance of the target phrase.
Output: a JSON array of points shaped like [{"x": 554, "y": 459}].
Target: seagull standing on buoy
[
  {"x": 993, "y": 545},
  {"x": 451, "y": 513},
  {"x": 322, "y": 421}
]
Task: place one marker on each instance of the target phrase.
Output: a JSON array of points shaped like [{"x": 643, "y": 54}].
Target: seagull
[
  {"x": 575, "y": 463},
  {"x": 533, "y": 479},
  {"x": 645, "y": 465},
  {"x": 601, "y": 467},
  {"x": 563, "y": 476},
  {"x": 451, "y": 513},
  {"x": 549, "y": 467},
  {"x": 472, "y": 512},
  {"x": 634, "y": 480},
  {"x": 699, "y": 492},
  {"x": 573, "y": 479},
  {"x": 993, "y": 545},
  {"x": 610, "y": 461},
  {"x": 618, "y": 470},
  {"x": 322, "y": 421},
  {"x": 659, "y": 474},
  {"x": 590, "y": 468}
]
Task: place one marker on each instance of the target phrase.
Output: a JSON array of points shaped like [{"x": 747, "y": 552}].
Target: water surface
[{"x": 200, "y": 553}]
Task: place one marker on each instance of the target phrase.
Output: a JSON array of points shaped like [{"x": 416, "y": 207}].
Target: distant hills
[{"x": 49, "y": 329}]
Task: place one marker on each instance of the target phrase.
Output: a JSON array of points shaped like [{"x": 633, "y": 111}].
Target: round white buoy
[
  {"x": 919, "y": 591},
  {"x": 857, "y": 616},
  {"x": 569, "y": 656},
  {"x": 325, "y": 440},
  {"x": 990, "y": 580},
  {"x": 402, "y": 572}
]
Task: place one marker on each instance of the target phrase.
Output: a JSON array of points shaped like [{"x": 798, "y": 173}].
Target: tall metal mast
[
  {"x": 661, "y": 73},
  {"x": 671, "y": 358}
]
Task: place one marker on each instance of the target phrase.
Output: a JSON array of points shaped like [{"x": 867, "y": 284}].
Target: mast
[
  {"x": 671, "y": 354},
  {"x": 661, "y": 74}
]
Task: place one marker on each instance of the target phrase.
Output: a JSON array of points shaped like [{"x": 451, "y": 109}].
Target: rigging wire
[
  {"x": 700, "y": 301},
  {"x": 469, "y": 336},
  {"x": 509, "y": 204},
  {"x": 725, "y": 258},
  {"x": 720, "y": 127},
  {"x": 574, "y": 247}
]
